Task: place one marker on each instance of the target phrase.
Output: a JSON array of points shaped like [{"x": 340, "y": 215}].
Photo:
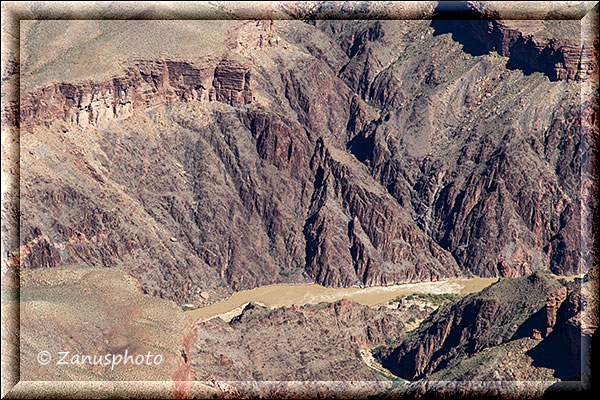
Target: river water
[{"x": 286, "y": 295}]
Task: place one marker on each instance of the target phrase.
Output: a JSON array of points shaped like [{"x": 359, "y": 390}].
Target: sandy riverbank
[{"x": 286, "y": 295}]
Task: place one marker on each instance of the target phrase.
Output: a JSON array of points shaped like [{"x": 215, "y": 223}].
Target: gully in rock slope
[{"x": 374, "y": 153}]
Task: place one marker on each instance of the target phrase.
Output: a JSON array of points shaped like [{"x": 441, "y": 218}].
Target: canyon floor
[
  {"x": 288, "y": 295},
  {"x": 338, "y": 340},
  {"x": 303, "y": 204}
]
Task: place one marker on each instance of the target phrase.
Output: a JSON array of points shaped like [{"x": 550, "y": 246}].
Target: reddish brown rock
[
  {"x": 231, "y": 83},
  {"x": 477, "y": 322},
  {"x": 301, "y": 343},
  {"x": 256, "y": 34},
  {"x": 548, "y": 44},
  {"x": 145, "y": 84},
  {"x": 291, "y": 161},
  {"x": 463, "y": 211},
  {"x": 553, "y": 304}
]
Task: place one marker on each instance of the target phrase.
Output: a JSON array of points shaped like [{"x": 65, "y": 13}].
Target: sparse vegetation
[
  {"x": 374, "y": 107},
  {"x": 377, "y": 351},
  {"x": 435, "y": 299}
]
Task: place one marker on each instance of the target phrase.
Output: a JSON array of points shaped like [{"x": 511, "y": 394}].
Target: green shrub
[{"x": 377, "y": 351}]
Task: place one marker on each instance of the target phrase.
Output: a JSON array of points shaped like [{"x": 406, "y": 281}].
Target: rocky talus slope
[
  {"x": 308, "y": 343},
  {"x": 340, "y": 152}
]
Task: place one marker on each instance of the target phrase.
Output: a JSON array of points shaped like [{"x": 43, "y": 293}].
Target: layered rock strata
[
  {"x": 347, "y": 157},
  {"x": 146, "y": 84}
]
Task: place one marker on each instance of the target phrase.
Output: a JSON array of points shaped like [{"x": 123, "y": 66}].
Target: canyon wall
[
  {"x": 331, "y": 151},
  {"x": 530, "y": 45},
  {"x": 535, "y": 315},
  {"x": 146, "y": 84}
]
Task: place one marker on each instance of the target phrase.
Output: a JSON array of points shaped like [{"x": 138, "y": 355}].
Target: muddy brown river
[{"x": 286, "y": 295}]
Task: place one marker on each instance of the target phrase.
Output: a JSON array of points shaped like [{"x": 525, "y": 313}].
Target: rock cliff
[
  {"x": 532, "y": 46},
  {"x": 528, "y": 315},
  {"x": 146, "y": 84},
  {"x": 351, "y": 158}
]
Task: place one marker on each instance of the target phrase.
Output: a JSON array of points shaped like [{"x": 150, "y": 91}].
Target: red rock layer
[{"x": 147, "y": 83}]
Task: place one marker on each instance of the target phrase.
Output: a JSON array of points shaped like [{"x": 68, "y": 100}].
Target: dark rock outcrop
[
  {"x": 436, "y": 117},
  {"x": 231, "y": 83},
  {"x": 499, "y": 319},
  {"x": 289, "y": 160}
]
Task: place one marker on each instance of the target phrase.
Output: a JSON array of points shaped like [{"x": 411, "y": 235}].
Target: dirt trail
[{"x": 367, "y": 357}]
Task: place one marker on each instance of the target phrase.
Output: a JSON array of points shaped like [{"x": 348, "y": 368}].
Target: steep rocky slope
[
  {"x": 308, "y": 343},
  {"x": 340, "y": 152},
  {"x": 454, "y": 151},
  {"x": 528, "y": 328}
]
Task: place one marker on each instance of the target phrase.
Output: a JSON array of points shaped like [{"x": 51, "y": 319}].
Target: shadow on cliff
[
  {"x": 551, "y": 353},
  {"x": 535, "y": 321},
  {"x": 362, "y": 147},
  {"x": 587, "y": 381},
  {"x": 477, "y": 40},
  {"x": 462, "y": 32}
]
